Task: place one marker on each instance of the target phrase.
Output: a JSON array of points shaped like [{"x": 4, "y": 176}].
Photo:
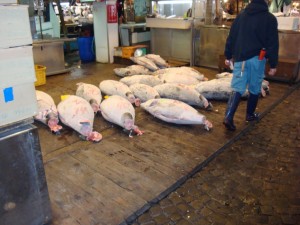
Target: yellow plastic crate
[
  {"x": 40, "y": 73},
  {"x": 127, "y": 52}
]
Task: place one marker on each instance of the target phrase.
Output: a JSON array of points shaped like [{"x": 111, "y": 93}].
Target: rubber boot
[
  {"x": 251, "y": 106},
  {"x": 232, "y": 105}
]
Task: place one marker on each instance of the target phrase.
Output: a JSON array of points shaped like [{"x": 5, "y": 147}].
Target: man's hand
[
  {"x": 229, "y": 63},
  {"x": 272, "y": 71}
]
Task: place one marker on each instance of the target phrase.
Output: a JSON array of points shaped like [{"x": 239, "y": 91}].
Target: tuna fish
[
  {"x": 178, "y": 79},
  {"x": 174, "y": 111},
  {"x": 131, "y": 70},
  {"x": 183, "y": 93},
  {"x": 159, "y": 61},
  {"x": 112, "y": 87},
  {"x": 91, "y": 93},
  {"x": 47, "y": 111},
  {"x": 224, "y": 75},
  {"x": 184, "y": 70},
  {"x": 216, "y": 89},
  {"x": 120, "y": 111},
  {"x": 78, "y": 114},
  {"x": 143, "y": 61},
  {"x": 144, "y": 92},
  {"x": 141, "y": 79},
  {"x": 265, "y": 89}
]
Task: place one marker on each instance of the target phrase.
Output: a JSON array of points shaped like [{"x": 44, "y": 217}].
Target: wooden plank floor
[{"x": 106, "y": 182}]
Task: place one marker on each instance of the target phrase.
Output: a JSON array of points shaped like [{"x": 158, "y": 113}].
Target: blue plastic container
[{"x": 86, "y": 49}]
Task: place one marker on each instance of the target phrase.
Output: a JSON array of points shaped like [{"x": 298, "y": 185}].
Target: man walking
[{"x": 253, "y": 38}]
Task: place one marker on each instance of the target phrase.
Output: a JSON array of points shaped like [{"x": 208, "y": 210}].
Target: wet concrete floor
[
  {"x": 121, "y": 177},
  {"x": 255, "y": 180}
]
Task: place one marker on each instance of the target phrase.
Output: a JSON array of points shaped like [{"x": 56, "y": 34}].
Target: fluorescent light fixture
[{"x": 175, "y": 2}]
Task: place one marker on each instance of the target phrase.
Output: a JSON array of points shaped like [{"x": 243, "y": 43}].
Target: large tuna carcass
[
  {"x": 47, "y": 111},
  {"x": 224, "y": 75},
  {"x": 216, "y": 89},
  {"x": 141, "y": 79},
  {"x": 143, "y": 61},
  {"x": 174, "y": 111},
  {"x": 159, "y": 61},
  {"x": 77, "y": 113},
  {"x": 113, "y": 87},
  {"x": 131, "y": 70},
  {"x": 183, "y": 70},
  {"x": 91, "y": 93},
  {"x": 183, "y": 93},
  {"x": 144, "y": 92},
  {"x": 178, "y": 78},
  {"x": 265, "y": 88},
  {"x": 120, "y": 111}
]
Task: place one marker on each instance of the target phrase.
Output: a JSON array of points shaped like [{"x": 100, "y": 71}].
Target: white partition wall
[{"x": 105, "y": 30}]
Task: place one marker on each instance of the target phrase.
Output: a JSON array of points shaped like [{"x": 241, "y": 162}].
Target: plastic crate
[
  {"x": 40, "y": 73},
  {"x": 128, "y": 52}
]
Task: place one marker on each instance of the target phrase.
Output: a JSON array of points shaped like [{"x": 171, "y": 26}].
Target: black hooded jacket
[{"x": 253, "y": 29}]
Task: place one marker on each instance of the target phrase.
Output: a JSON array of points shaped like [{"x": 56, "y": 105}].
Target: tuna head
[
  {"x": 129, "y": 126},
  {"x": 87, "y": 132},
  {"x": 53, "y": 123}
]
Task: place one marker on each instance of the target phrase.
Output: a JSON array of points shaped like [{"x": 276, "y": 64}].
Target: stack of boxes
[{"x": 17, "y": 72}]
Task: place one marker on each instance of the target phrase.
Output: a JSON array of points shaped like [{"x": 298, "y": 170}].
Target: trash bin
[{"x": 86, "y": 49}]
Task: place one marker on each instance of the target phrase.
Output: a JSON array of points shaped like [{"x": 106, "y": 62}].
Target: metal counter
[
  {"x": 50, "y": 53},
  {"x": 209, "y": 42},
  {"x": 24, "y": 197},
  {"x": 209, "y": 45},
  {"x": 171, "y": 38},
  {"x": 289, "y": 44}
]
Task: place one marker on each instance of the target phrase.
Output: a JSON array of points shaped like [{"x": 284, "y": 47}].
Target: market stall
[
  {"x": 209, "y": 43},
  {"x": 171, "y": 26}
]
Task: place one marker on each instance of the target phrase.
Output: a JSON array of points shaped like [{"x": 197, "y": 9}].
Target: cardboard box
[
  {"x": 15, "y": 26},
  {"x": 16, "y": 66},
  {"x": 17, "y": 102},
  {"x": 288, "y": 23}
]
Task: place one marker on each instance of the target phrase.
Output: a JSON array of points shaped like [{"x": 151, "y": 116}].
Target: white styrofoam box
[
  {"x": 16, "y": 66},
  {"x": 288, "y": 23},
  {"x": 15, "y": 26},
  {"x": 17, "y": 102}
]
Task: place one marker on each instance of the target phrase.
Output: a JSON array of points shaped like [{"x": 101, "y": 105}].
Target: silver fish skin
[
  {"x": 91, "y": 93},
  {"x": 182, "y": 93},
  {"x": 215, "y": 89},
  {"x": 183, "y": 70},
  {"x": 174, "y": 111},
  {"x": 141, "y": 79},
  {"x": 77, "y": 113},
  {"x": 143, "y": 61},
  {"x": 144, "y": 92},
  {"x": 131, "y": 70},
  {"x": 113, "y": 87},
  {"x": 158, "y": 60}
]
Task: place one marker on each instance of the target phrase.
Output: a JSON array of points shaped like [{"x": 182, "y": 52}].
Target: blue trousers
[{"x": 251, "y": 77}]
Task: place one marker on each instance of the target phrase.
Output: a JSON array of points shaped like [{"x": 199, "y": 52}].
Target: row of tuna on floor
[{"x": 167, "y": 93}]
